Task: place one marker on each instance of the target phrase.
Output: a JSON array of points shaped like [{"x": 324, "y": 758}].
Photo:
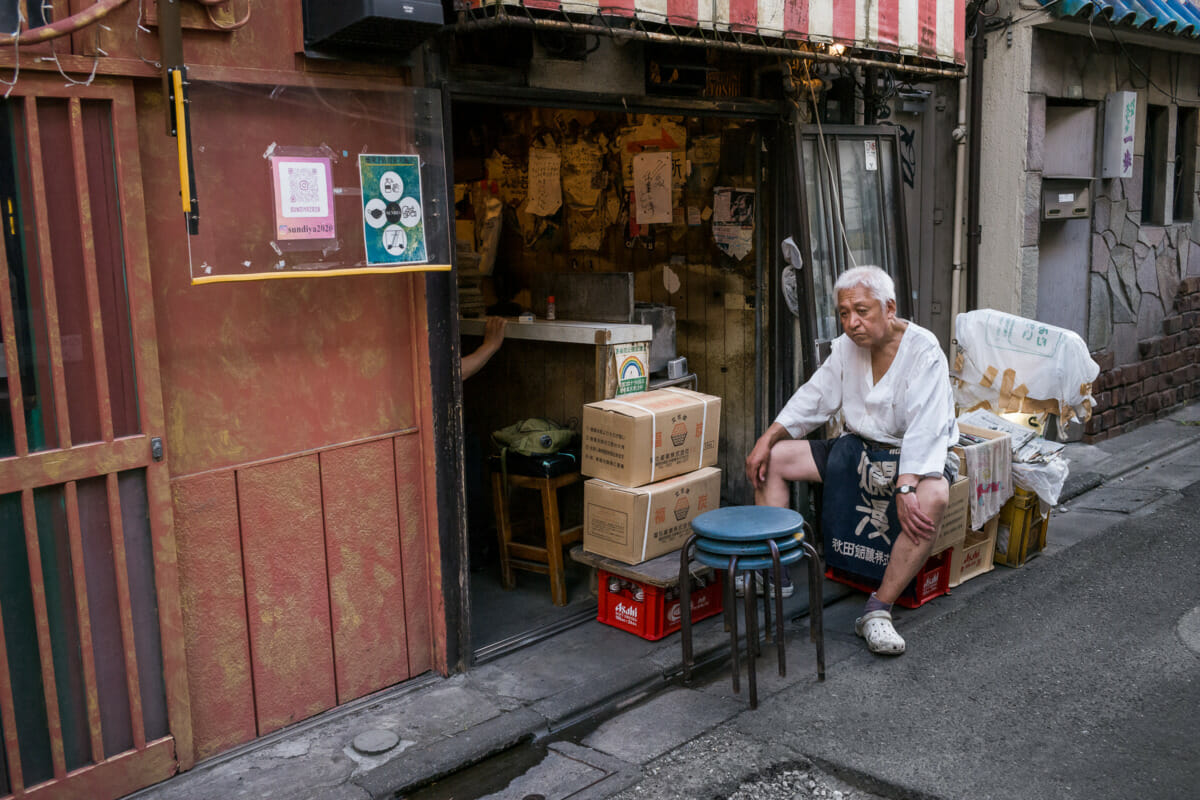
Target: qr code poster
[
  {"x": 303, "y": 198},
  {"x": 393, "y": 216}
]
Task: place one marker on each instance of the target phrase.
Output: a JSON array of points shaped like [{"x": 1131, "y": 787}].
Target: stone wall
[
  {"x": 1166, "y": 374},
  {"x": 1143, "y": 279},
  {"x": 1135, "y": 270}
]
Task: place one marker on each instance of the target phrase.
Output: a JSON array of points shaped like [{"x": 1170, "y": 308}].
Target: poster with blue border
[{"x": 393, "y": 215}]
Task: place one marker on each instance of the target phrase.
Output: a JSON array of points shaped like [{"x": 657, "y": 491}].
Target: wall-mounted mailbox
[{"x": 1066, "y": 198}]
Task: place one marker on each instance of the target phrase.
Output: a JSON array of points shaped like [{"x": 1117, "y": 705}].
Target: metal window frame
[{"x": 894, "y": 225}]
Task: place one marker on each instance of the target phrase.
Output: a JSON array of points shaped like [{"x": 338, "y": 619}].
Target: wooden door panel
[
  {"x": 214, "y": 597},
  {"x": 414, "y": 553},
  {"x": 287, "y": 596},
  {"x": 366, "y": 591}
]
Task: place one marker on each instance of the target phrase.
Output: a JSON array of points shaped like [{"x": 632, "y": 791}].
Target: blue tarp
[{"x": 1177, "y": 17}]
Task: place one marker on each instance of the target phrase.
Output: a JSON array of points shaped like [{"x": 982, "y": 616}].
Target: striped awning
[
  {"x": 927, "y": 29},
  {"x": 1177, "y": 17}
]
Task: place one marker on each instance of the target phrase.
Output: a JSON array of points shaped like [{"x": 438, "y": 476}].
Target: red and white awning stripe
[{"x": 932, "y": 29}]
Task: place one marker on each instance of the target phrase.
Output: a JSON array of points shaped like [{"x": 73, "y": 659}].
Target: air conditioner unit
[{"x": 373, "y": 25}]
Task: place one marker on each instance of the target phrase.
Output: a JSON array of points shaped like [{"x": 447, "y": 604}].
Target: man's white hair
[{"x": 873, "y": 279}]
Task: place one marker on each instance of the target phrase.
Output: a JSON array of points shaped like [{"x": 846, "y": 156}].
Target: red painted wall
[{"x": 300, "y": 447}]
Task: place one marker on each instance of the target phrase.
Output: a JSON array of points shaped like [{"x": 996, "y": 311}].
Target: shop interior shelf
[{"x": 562, "y": 330}]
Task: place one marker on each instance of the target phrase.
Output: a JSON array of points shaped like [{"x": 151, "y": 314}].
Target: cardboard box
[
  {"x": 975, "y": 555},
  {"x": 954, "y": 521},
  {"x": 634, "y": 524},
  {"x": 651, "y": 436}
]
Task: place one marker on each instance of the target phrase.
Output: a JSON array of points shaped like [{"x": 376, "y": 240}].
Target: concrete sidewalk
[{"x": 593, "y": 671}]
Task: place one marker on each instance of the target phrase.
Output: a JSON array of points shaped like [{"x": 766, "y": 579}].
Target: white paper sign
[
  {"x": 871, "y": 156},
  {"x": 545, "y": 186},
  {"x": 652, "y": 187}
]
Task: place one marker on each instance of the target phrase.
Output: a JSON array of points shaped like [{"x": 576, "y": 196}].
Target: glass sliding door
[{"x": 853, "y": 215}]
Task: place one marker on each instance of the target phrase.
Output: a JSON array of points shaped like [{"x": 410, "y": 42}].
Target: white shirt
[{"x": 911, "y": 407}]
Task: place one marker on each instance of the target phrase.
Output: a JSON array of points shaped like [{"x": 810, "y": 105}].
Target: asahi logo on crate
[{"x": 626, "y": 613}]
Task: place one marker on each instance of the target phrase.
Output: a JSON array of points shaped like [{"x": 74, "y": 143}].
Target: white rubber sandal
[{"x": 876, "y": 627}]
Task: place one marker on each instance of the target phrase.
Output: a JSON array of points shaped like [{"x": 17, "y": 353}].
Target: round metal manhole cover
[
  {"x": 372, "y": 743},
  {"x": 1189, "y": 630}
]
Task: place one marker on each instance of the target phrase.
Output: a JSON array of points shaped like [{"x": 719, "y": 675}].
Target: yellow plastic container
[{"x": 1021, "y": 530}]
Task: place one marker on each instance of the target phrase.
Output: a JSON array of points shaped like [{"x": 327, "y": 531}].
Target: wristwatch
[{"x": 907, "y": 488}]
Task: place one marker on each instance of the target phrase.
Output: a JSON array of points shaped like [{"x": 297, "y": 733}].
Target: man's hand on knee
[
  {"x": 915, "y": 523},
  {"x": 758, "y": 463}
]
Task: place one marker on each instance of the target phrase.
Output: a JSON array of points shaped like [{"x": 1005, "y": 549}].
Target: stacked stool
[{"x": 746, "y": 539}]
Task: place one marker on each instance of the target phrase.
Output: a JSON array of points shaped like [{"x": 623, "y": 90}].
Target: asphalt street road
[
  {"x": 1074, "y": 676},
  {"x": 1075, "y": 681}
]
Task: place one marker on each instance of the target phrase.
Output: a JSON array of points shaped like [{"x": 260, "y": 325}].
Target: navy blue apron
[{"x": 858, "y": 512}]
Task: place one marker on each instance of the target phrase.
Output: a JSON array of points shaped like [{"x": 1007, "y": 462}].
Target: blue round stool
[{"x": 752, "y": 538}]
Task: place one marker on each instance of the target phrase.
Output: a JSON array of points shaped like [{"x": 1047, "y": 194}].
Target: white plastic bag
[
  {"x": 1045, "y": 479},
  {"x": 1004, "y": 359}
]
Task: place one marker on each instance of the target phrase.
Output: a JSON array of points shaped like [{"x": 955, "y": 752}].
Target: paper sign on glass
[
  {"x": 545, "y": 185},
  {"x": 393, "y": 212},
  {"x": 303, "y": 198},
  {"x": 652, "y": 188}
]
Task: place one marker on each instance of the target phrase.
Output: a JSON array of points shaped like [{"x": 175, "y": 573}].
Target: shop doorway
[
  {"x": 705, "y": 259},
  {"x": 93, "y": 691}
]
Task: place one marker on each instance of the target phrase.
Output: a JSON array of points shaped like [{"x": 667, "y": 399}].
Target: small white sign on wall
[{"x": 1120, "y": 126}]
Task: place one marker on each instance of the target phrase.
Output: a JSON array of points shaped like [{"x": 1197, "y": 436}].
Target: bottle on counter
[{"x": 550, "y": 307}]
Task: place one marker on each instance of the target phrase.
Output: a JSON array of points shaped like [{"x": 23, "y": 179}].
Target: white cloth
[
  {"x": 911, "y": 407},
  {"x": 1046, "y": 363}
]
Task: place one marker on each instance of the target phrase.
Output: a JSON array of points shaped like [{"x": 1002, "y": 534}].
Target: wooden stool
[{"x": 545, "y": 474}]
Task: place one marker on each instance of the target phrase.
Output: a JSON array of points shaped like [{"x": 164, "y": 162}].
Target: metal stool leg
[
  {"x": 751, "y": 635},
  {"x": 767, "y": 627},
  {"x": 778, "y": 570},
  {"x": 733, "y": 626},
  {"x": 685, "y": 607},
  {"x": 816, "y": 574}
]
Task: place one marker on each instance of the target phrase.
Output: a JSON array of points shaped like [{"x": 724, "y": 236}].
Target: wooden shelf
[{"x": 562, "y": 330}]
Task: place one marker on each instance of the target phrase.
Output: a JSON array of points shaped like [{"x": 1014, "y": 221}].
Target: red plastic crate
[
  {"x": 654, "y": 616},
  {"x": 933, "y": 580}
]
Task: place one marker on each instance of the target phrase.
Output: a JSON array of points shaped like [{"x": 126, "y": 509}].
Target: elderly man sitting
[{"x": 890, "y": 379}]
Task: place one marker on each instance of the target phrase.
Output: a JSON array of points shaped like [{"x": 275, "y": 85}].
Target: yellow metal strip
[
  {"x": 185, "y": 181},
  {"x": 324, "y": 273}
]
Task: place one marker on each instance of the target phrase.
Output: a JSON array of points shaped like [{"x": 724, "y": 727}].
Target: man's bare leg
[
  {"x": 791, "y": 460},
  {"x": 875, "y": 625},
  {"x": 908, "y": 556}
]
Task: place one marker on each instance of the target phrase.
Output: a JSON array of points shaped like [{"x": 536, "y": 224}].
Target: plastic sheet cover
[
  {"x": 306, "y": 181},
  {"x": 1010, "y": 363}
]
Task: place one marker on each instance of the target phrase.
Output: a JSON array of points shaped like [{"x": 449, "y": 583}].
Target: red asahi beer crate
[
  {"x": 933, "y": 580},
  {"x": 652, "y": 612}
]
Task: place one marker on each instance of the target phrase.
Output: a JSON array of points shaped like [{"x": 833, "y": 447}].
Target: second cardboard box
[{"x": 634, "y": 524}]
